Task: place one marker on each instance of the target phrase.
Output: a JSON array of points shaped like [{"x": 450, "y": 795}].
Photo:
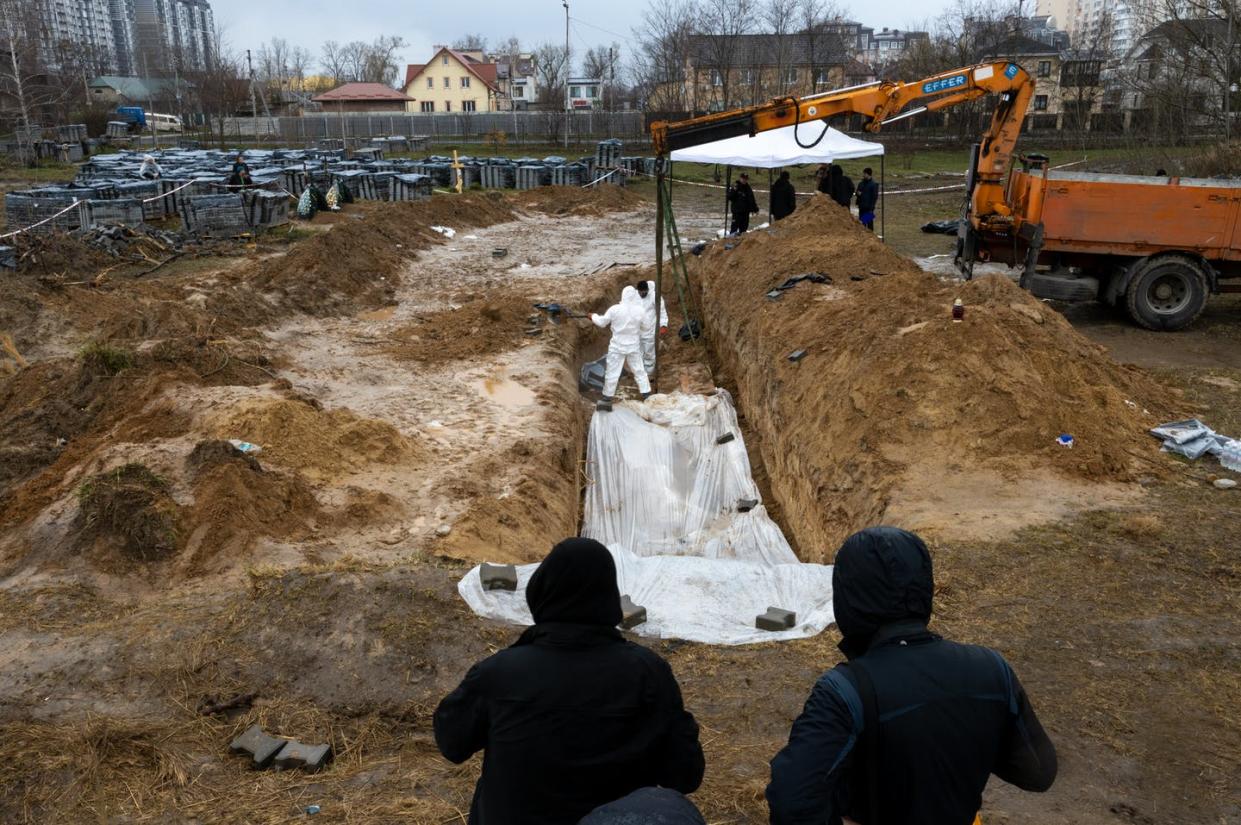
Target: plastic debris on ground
[
  {"x": 1193, "y": 439},
  {"x": 445, "y": 231},
  {"x": 664, "y": 499}
]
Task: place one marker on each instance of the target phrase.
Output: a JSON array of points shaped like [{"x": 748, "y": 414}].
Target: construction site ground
[{"x": 417, "y": 415}]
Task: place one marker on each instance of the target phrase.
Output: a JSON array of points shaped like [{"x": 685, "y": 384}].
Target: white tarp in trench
[
  {"x": 662, "y": 495},
  {"x": 779, "y": 147}
]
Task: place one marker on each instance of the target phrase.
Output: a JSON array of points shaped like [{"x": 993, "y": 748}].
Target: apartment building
[{"x": 152, "y": 38}]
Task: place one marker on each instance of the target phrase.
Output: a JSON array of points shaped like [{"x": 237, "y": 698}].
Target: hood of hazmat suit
[{"x": 625, "y": 319}]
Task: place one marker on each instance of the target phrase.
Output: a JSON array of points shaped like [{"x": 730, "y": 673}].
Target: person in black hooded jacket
[
  {"x": 572, "y": 715},
  {"x": 949, "y": 715}
]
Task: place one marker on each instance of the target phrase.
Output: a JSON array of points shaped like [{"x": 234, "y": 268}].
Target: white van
[{"x": 163, "y": 123}]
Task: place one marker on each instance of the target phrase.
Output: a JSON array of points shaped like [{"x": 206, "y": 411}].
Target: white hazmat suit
[
  {"x": 649, "y": 327},
  {"x": 149, "y": 168},
  {"x": 625, "y": 319}
]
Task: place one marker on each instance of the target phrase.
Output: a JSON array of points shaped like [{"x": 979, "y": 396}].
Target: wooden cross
[{"x": 457, "y": 167}]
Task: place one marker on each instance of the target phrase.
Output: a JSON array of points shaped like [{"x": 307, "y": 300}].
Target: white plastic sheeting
[{"x": 663, "y": 497}]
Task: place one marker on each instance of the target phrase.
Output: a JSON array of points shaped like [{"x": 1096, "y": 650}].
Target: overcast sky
[{"x": 423, "y": 23}]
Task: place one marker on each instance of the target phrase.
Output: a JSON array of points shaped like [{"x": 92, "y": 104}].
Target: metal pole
[
  {"x": 1228, "y": 82},
  {"x": 567, "y": 69},
  {"x": 660, "y": 206},
  {"x": 728, "y": 183},
  {"x": 883, "y": 186}
]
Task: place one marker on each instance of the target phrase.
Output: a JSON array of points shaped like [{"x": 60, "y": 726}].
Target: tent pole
[
  {"x": 660, "y": 206},
  {"x": 770, "y": 219},
  {"x": 883, "y": 186},
  {"x": 728, "y": 184}
]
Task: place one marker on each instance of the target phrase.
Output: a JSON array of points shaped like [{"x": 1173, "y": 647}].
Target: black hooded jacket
[
  {"x": 950, "y": 715},
  {"x": 572, "y": 715},
  {"x": 783, "y": 198}
]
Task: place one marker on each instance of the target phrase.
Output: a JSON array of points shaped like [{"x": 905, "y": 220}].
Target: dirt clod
[{"x": 130, "y": 507}]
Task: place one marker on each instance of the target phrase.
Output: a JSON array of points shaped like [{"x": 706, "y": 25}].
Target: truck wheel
[{"x": 1167, "y": 293}]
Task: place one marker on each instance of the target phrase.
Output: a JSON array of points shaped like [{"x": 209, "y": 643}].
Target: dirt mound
[
  {"x": 890, "y": 384},
  {"x": 321, "y": 444},
  {"x": 357, "y": 264},
  {"x": 480, "y": 328},
  {"x": 58, "y": 254},
  {"x": 129, "y": 509},
  {"x": 574, "y": 200},
  {"x": 236, "y": 502},
  {"x": 213, "y": 453}
]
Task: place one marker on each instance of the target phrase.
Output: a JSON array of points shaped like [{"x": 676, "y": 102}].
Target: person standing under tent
[
  {"x": 841, "y": 186},
  {"x": 867, "y": 198},
  {"x": 625, "y": 319},
  {"x": 741, "y": 200},
  {"x": 783, "y": 197},
  {"x": 646, "y": 289},
  {"x": 823, "y": 179}
]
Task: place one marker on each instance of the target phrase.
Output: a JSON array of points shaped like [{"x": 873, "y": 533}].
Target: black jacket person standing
[
  {"x": 949, "y": 715},
  {"x": 743, "y": 205},
  {"x": 572, "y": 715},
  {"x": 783, "y": 197}
]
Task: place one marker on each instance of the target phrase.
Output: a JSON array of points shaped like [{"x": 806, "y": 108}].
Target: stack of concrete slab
[
  {"x": 215, "y": 216},
  {"x": 608, "y": 152},
  {"x": 23, "y": 209},
  {"x": 571, "y": 174},
  {"x": 145, "y": 190},
  {"x": 127, "y": 211},
  {"x": 72, "y": 133},
  {"x": 265, "y": 209},
  {"x": 117, "y": 129},
  {"x": 533, "y": 175},
  {"x": 410, "y": 187}
]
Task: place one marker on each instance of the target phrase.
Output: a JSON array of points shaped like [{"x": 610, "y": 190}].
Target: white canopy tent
[{"x": 779, "y": 147}]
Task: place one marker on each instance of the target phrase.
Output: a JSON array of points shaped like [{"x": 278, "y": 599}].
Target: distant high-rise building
[
  {"x": 1101, "y": 26},
  {"x": 150, "y": 38}
]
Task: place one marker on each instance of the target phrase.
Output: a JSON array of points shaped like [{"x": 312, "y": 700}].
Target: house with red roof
[
  {"x": 364, "y": 97},
  {"x": 452, "y": 81}
]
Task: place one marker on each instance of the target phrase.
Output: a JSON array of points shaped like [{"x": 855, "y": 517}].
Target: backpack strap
[{"x": 870, "y": 738}]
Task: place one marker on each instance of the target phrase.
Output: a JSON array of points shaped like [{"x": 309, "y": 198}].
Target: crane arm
[{"x": 880, "y": 103}]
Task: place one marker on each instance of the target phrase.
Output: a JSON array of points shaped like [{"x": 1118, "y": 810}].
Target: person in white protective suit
[
  {"x": 149, "y": 169},
  {"x": 625, "y": 319},
  {"x": 646, "y": 289}
]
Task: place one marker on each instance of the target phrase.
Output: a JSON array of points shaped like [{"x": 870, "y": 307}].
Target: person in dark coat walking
[
  {"x": 840, "y": 186},
  {"x": 867, "y": 198},
  {"x": 572, "y": 715},
  {"x": 910, "y": 728},
  {"x": 741, "y": 201},
  {"x": 783, "y": 197}
]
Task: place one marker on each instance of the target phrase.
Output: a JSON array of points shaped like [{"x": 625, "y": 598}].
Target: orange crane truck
[{"x": 1157, "y": 246}]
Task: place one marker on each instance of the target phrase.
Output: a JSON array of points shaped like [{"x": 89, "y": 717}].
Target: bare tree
[
  {"x": 332, "y": 61},
  {"x": 353, "y": 56},
  {"x": 222, "y": 89},
  {"x": 724, "y": 24},
  {"x": 380, "y": 64},
  {"x": 1082, "y": 77},
  {"x": 1195, "y": 63},
  {"x": 781, "y": 17},
  {"x": 664, "y": 50},
  {"x": 471, "y": 42},
  {"x": 551, "y": 65},
  {"x": 818, "y": 22}
]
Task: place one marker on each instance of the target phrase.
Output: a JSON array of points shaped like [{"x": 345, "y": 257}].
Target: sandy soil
[{"x": 415, "y": 413}]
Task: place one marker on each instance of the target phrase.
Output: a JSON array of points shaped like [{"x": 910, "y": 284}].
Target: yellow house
[{"x": 453, "y": 81}]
